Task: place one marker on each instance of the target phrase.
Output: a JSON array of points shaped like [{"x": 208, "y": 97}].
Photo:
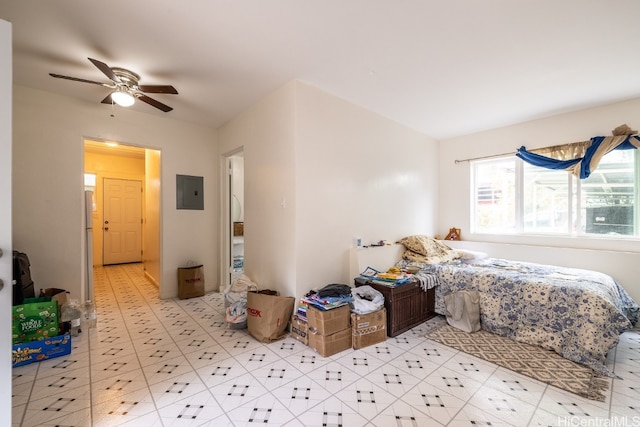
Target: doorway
[
  {"x": 125, "y": 164},
  {"x": 234, "y": 225}
]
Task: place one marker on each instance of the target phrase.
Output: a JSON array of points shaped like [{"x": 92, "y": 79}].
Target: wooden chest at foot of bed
[{"x": 407, "y": 305}]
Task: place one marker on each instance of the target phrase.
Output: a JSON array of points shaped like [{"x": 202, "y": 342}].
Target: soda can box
[
  {"x": 34, "y": 321},
  {"x": 37, "y": 351},
  {"x": 299, "y": 329}
]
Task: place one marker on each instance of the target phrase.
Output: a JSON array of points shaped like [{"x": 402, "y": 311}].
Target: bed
[{"x": 579, "y": 314}]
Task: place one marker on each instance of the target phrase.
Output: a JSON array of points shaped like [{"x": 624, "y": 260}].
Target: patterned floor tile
[
  {"x": 333, "y": 376},
  {"x": 238, "y": 392},
  {"x": 301, "y": 394},
  {"x": 331, "y": 412},
  {"x": 364, "y": 397},
  {"x": 438, "y": 404},
  {"x": 160, "y": 363},
  {"x": 402, "y": 414},
  {"x": 263, "y": 410},
  {"x": 503, "y": 406}
]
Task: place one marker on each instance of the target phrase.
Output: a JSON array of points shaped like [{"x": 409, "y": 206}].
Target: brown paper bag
[
  {"x": 190, "y": 282},
  {"x": 268, "y": 315}
]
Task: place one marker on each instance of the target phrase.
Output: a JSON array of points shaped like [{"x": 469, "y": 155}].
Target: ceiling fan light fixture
[
  {"x": 123, "y": 97},
  {"x": 124, "y": 86}
]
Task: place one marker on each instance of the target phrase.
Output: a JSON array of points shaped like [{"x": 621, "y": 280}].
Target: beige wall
[
  {"x": 48, "y": 167},
  {"x": 318, "y": 172},
  {"x": 358, "y": 174},
  {"x": 266, "y": 133}
]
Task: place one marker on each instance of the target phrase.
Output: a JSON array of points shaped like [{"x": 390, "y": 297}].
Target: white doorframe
[
  {"x": 226, "y": 248},
  {"x": 6, "y": 265},
  {"x": 152, "y": 259}
]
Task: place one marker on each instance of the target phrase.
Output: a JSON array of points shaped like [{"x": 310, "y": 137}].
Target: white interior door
[{"x": 122, "y": 221}]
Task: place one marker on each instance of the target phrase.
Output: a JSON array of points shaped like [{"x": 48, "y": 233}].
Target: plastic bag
[
  {"x": 366, "y": 299},
  {"x": 463, "y": 310},
  {"x": 235, "y": 302}
]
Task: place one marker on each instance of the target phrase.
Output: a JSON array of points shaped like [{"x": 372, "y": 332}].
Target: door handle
[
  {"x": 106, "y": 229},
  {"x": 106, "y": 222}
]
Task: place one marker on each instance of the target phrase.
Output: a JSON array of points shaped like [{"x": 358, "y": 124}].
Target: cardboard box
[
  {"x": 56, "y": 294},
  {"x": 327, "y": 322},
  {"x": 37, "y": 351},
  {"x": 368, "y": 329},
  {"x": 328, "y": 345},
  {"x": 299, "y": 329},
  {"x": 238, "y": 228}
]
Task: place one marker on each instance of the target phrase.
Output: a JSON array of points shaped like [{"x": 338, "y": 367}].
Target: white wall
[
  {"x": 47, "y": 185},
  {"x": 318, "y": 172},
  {"x": 152, "y": 230},
  {"x": 266, "y": 133},
  {"x": 454, "y": 206},
  {"x": 358, "y": 174}
]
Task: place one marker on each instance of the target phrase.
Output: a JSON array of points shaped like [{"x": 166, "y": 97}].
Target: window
[
  {"x": 511, "y": 196},
  {"x": 609, "y": 196},
  {"x": 90, "y": 185},
  {"x": 89, "y": 181},
  {"x": 546, "y": 199},
  {"x": 494, "y": 199}
]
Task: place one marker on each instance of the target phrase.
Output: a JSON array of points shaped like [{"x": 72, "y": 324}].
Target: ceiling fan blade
[
  {"x": 106, "y": 70},
  {"x": 75, "y": 79},
  {"x": 158, "y": 89},
  {"x": 153, "y": 102},
  {"x": 107, "y": 100}
]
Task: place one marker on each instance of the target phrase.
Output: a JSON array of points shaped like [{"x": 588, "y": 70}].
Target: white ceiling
[{"x": 445, "y": 68}]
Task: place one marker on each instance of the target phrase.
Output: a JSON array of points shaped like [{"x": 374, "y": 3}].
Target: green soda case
[{"x": 35, "y": 321}]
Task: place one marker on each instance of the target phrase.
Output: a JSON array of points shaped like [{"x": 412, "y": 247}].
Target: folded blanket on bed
[{"x": 426, "y": 280}]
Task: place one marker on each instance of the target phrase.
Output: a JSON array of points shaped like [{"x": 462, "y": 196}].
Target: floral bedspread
[{"x": 580, "y": 314}]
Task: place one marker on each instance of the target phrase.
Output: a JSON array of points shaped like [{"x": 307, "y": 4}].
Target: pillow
[
  {"x": 466, "y": 254},
  {"x": 427, "y": 250},
  {"x": 425, "y": 245},
  {"x": 417, "y": 258}
]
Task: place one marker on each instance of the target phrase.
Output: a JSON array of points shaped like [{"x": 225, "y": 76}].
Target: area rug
[{"x": 531, "y": 361}]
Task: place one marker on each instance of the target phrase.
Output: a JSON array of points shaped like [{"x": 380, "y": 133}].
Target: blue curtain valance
[{"x": 583, "y": 165}]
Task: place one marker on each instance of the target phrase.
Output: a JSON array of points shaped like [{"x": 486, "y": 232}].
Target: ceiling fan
[{"x": 125, "y": 86}]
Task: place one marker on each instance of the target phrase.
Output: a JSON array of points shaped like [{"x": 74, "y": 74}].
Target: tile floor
[{"x": 153, "y": 362}]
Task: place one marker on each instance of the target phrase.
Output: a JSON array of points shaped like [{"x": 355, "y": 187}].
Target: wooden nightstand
[{"x": 407, "y": 305}]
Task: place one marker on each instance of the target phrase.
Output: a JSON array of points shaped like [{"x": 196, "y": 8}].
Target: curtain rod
[
  {"x": 484, "y": 157},
  {"x": 550, "y": 147}
]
